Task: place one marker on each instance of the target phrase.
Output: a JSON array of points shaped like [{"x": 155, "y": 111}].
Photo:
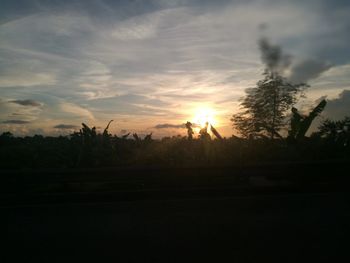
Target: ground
[{"x": 237, "y": 222}]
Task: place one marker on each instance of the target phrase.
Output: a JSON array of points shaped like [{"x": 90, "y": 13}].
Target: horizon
[{"x": 152, "y": 67}]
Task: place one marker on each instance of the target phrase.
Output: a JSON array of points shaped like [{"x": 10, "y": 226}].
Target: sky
[{"x": 153, "y": 65}]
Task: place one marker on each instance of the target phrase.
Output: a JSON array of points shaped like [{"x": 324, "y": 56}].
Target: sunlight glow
[{"x": 203, "y": 115}]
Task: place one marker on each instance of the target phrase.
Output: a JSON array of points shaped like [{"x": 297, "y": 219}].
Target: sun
[{"x": 204, "y": 115}]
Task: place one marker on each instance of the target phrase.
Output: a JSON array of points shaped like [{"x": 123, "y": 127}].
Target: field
[{"x": 244, "y": 214}]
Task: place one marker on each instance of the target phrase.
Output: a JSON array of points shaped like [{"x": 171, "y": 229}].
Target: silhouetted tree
[
  {"x": 265, "y": 106},
  {"x": 6, "y": 135},
  {"x": 189, "y": 130}
]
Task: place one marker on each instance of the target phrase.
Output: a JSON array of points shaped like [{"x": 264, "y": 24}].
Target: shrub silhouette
[{"x": 335, "y": 133}]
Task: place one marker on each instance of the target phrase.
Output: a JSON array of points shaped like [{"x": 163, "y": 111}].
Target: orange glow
[{"x": 203, "y": 115}]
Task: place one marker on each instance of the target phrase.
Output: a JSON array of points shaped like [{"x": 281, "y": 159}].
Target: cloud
[
  {"x": 272, "y": 56},
  {"x": 336, "y": 109},
  {"x": 330, "y": 83},
  {"x": 131, "y": 104},
  {"x": 169, "y": 126},
  {"x": 32, "y": 103},
  {"x": 76, "y": 110},
  {"x": 339, "y": 107},
  {"x": 23, "y": 67},
  {"x": 24, "y": 110},
  {"x": 15, "y": 122},
  {"x": 129, "y": 59},
  {"x": 308, "y": 69},
  {"x": 66, "y": 126},
  {"x": 137, "y": 28},
  {"x": 337, "y": 77},
  {"x": 297, "y": 72},
  {"x": 174, "y": 126},
  {"x": 26, "y": 79}
]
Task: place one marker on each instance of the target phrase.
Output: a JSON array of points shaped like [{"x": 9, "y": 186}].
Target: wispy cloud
[
  {"x": 76, "y": 110},
  {"x": 26, "y": 79},
  {"x": 15, "y": 122}
]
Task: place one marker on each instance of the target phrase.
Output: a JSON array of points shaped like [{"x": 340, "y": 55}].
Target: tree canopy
[{"x": 265, "y": 106}]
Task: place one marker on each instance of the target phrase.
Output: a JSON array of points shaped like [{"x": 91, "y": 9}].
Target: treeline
[{"x": 88, "y": 148}]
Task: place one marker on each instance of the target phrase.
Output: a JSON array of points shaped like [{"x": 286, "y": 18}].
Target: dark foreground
[{"x": 257, "y": 220}]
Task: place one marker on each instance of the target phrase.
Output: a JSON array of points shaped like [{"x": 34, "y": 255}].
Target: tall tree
[{"x": 265, "y": 106}]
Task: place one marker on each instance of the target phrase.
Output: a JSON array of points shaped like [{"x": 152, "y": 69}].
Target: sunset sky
[{"x": 152, "y": 65}]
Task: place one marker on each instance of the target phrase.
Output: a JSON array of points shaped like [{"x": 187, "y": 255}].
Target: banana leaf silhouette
[
  {"x": 105, "y": 132},
  {"x": 215, "y": 132},
  {"x": 148, "y": 137},
  {"x": 306, "y": 123},
  {"x": 125, "y": 135},
  {"x": 300, "y": 124}
]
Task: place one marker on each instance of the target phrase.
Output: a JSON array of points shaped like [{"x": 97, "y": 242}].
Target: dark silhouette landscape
[
  {"x": 96, "y": 196},
  {"x": 275, "y": 188}
]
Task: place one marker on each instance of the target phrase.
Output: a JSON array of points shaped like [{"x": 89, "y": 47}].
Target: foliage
[{"x": 335, "y": 132}]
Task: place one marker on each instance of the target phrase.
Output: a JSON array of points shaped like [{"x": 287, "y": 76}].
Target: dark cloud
[
  {"x": 12, "y": 10},
  {"x": 32, "y": 103},
  {"x": 15, "y": 122},
  {"x": 174, "y": 126},
  {"x": 307, "y": 70},
  {"x": 339, "y": 107},
  {"x": 17, "y": 114},
  {"x": 301, "y": 72},
  {"x": 169, "y": 126},
  {"x": 272, "y": 55},
  {"x": 66, "y": 126}
]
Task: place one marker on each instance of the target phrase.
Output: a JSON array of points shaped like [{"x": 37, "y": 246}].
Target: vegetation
[
  {"x": 335, "y": 132},
  {"x": 87, "y": 148}
]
